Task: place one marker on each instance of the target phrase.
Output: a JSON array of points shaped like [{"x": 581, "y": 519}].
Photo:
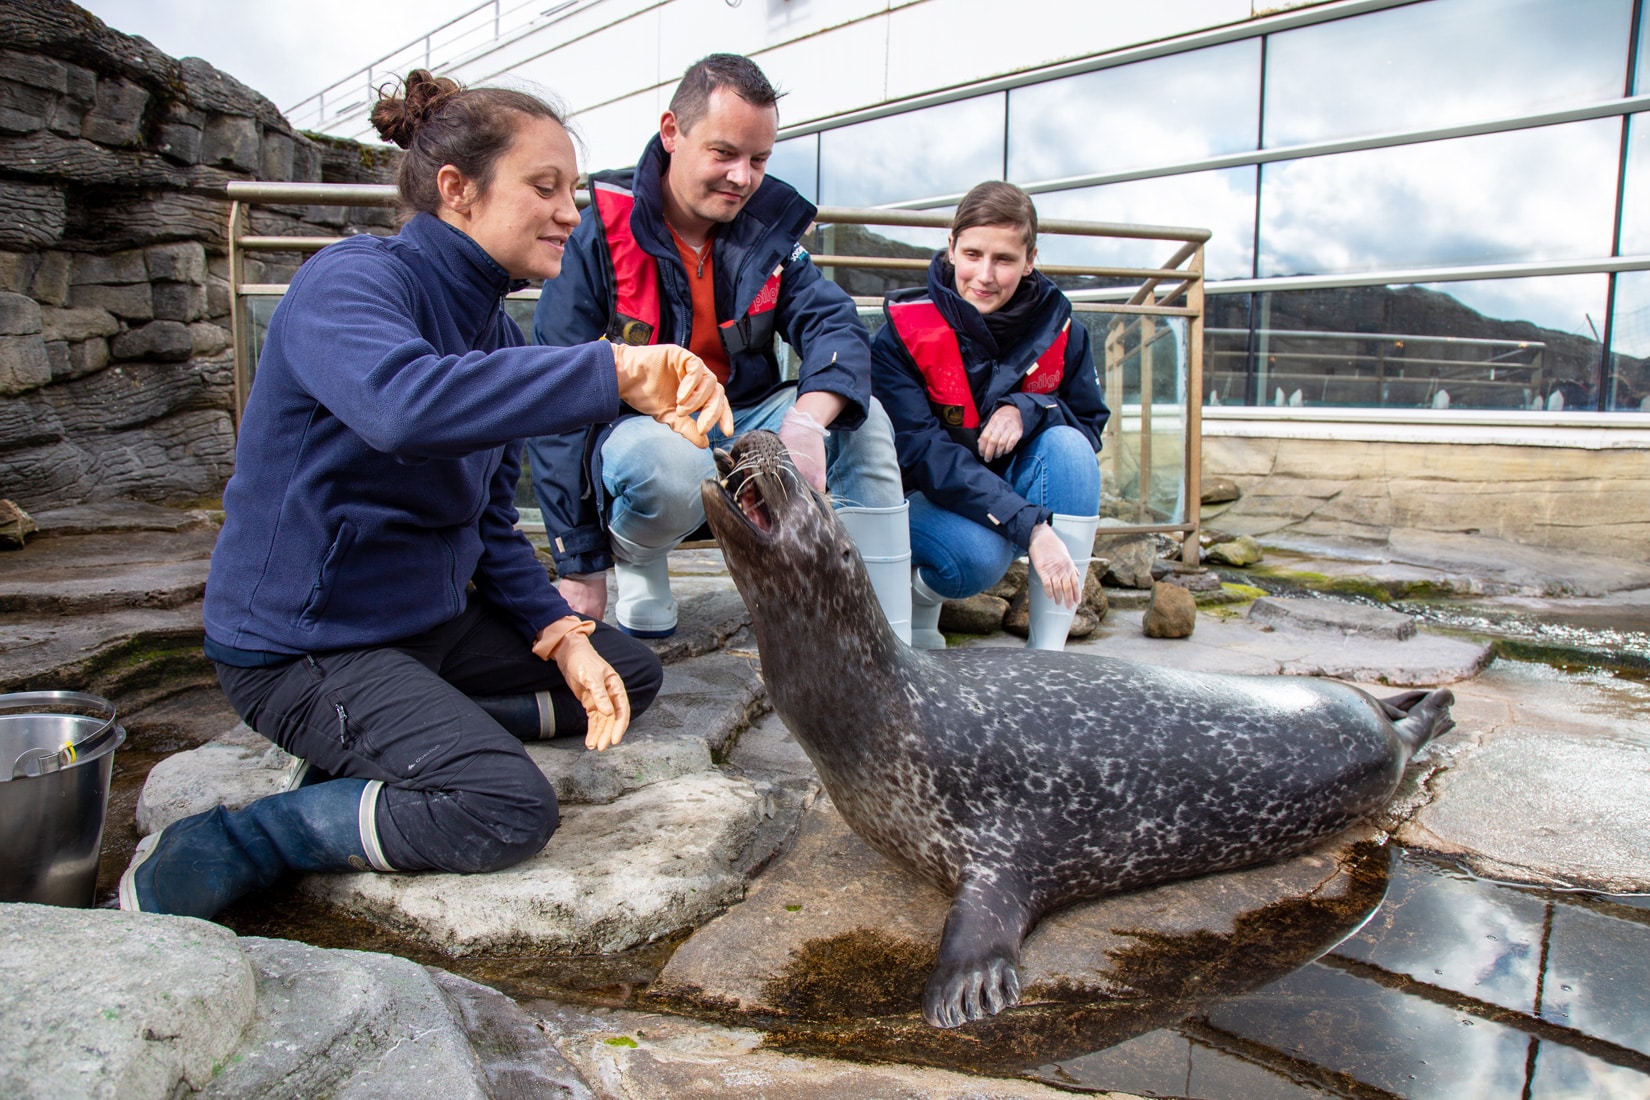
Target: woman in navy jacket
[
  {"x": 997, "y": 416},
  {"x": 369, "y": 584}
]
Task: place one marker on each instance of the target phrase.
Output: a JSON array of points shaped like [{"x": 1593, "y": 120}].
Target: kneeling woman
[
  {"x": 369, "y": 584},
  {"x": 997, "y": 419}
]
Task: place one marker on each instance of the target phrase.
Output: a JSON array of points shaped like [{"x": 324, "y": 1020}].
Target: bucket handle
[{"x": 34, "y": 763}]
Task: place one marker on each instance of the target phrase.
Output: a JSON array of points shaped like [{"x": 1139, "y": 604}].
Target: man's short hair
[{"x": 691, "y": 102}]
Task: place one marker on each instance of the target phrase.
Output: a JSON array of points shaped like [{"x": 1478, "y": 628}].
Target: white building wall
[{"x": 615, "y": 63}]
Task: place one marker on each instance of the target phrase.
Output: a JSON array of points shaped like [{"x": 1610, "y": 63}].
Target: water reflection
[{"x": 1456, "y": 987}]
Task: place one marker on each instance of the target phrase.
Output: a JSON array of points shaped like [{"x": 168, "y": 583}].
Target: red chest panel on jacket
[
  {"x": 635, "y": 317},
  {"x": 934, "y": 348}
]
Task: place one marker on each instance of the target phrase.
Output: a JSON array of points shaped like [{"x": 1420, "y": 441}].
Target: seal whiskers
[{"x": 1018, "y": 780}]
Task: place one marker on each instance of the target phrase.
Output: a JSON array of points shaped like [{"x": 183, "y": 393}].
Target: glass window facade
[
  {"x": 1429, "y": 65},
  {"x": 796, "y": 161},
  {"x": 941, "y": 150},
  {"x": 1168, "y": 110},
  {"x": 1221, "y": 201},
  {"x": 1562, "y": 195},
  {"x": 1543, "y": 194}
]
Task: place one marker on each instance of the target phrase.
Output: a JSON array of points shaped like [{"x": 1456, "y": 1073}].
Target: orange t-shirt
[{"x": 706, "y": 339}]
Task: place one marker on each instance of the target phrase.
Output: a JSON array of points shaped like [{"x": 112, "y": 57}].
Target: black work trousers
[{"x": 460, "y": 793}]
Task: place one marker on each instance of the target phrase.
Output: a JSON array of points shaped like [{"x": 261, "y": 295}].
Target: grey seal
[{"x": 1017, "y": 780}]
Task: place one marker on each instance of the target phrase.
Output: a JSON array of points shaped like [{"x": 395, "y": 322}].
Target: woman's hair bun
[{"x": 398, "y": 118}]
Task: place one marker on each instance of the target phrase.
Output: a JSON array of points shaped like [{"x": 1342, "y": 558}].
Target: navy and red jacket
[
  {"x": 375, "y": 475},
  {"x": 938, "y": 410},
  {"x": 811, "y": 314}
]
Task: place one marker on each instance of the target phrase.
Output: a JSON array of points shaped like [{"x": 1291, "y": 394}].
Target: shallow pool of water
[{"x": 1454, "y": 987}]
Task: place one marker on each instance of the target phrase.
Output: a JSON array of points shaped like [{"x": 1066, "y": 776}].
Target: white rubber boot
[
  {"x": 645, "y": 608},
  {"x": 883, "y": 536},
  {"x": 1049, "y": 620},
  {"x": 925, "y": 614}
]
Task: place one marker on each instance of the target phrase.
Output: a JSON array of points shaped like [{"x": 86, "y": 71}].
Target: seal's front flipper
[{"x": 978, "y": 972}]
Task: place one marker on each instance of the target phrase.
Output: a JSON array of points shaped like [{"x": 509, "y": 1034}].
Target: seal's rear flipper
[
  {"x": 1420, "y": 716},
  {"x": 978, "y": 970}
]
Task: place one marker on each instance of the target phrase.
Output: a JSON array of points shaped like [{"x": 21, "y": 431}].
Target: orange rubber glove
[
  {"x": 671, "y": 384},
  {"x": 598, "y": 688}
]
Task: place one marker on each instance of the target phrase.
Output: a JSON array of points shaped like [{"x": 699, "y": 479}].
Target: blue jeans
[
  {"x": 652, "y": 475},
  {"x": 959, "y": 557}
]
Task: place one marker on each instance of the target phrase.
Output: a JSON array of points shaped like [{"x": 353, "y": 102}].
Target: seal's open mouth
[
  {"x": 748, "y": 495},
  {"x": 752, "y": 478}
]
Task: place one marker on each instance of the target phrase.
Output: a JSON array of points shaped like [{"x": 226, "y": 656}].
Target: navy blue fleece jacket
[{"x": 374, "y": 470}]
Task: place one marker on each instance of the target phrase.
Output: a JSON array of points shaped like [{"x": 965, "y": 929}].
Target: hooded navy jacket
[
  {"x": 944, "y": 464},
  {"x": 813, "y": 315},
  {"x": 374, "y": 478}
]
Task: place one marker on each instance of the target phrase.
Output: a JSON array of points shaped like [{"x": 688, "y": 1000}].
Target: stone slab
[
  {"x": 832, "y": 947},
  {"x": 520, "y": 1061},
  {"x": 1469, "y": 564},
  {"x": 124, "y": 1006},
  {"x": 1235, "y": 645},
  {"x": 235, "y": 768},
  {"x": 1554, "y": 810},
  {"x": 346, "y": 1024},
  {"x": 105, "y": 571},
  {"x": 662, "y": 859},
  {"x": 101, "y": 653},
  {"x": 1332, "y": 615},
  {"x": 641, "y": 1054}
]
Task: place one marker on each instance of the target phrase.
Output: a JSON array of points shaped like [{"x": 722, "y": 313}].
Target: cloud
[{"x": 289, "y": 49}]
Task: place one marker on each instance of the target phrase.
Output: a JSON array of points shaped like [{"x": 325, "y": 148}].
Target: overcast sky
[{"x": 288, "y": 50}]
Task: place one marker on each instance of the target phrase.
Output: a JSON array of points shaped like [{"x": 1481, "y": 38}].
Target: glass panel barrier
[
  {"x": 1629, "y": 382},
  {"x": 1164, "y": 111},
  {"x": 1424, "y": 66},
  {"x": 1525, "y": 195},
  {"x": 941, "y": 150},
  {"x": 1440, "y": 346},
  {"x": 1144, "y": 441}
]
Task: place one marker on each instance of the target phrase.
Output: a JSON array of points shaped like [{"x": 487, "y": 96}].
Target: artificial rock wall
[{"x": 116, "y": 373}]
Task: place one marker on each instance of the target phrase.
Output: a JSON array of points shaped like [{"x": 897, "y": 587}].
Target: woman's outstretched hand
[
  {"x": 674, "y": 387},
  {"x": 598, "y": 688},
  {"x": 1049, "y": 557}
]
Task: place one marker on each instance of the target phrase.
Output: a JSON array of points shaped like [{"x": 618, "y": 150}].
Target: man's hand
[
  {"x": 804, "y": 432},
  {"x": 1001, "y": 434},
  {"x": 674, "y": 387},
  {"x": 804, "y": 438},
  {"x": 1052, "y": 562},
  {"x": 586, "y": 595}
]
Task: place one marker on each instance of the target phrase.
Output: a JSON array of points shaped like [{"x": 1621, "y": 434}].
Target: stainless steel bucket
[{"x": 57, "y": 749}]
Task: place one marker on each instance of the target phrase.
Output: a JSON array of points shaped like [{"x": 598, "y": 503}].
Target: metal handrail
[{"x": 1183, "y": 272}]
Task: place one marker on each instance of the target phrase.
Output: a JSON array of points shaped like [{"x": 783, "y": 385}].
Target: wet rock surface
[
  {"x": 801, "y": 958},
  {"x": 702, "y": 831},
  {"x": 1344, "y": 618}
]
